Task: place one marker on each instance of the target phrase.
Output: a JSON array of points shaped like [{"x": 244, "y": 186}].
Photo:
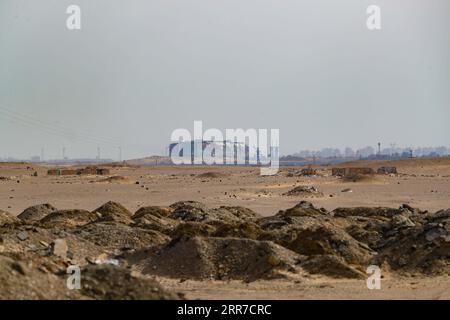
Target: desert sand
[{"x": 423, "y": 184}]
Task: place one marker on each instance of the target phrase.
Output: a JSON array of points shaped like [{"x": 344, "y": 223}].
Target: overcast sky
[{"x": 139, "y": 69}]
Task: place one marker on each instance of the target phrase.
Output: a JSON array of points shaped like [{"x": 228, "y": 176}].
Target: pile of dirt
[
  {"x": 106, "y": 282},
  {"x": 67, "y": 218},
  {"x": 304, "y": 191},
  {"x": 421, "y": 247},
  {"x": 117, "y": 237},
  {"x": 116, "y": 179},
  {"x": 198, "y": 212},
  {"x": 212, "y": 175},
  {"x": 155, "y": 218},
  {"x": 189, "y": 240},
  {"x": 113, "y": 211},
  {"x": 221, "y": 259},
  {"x": 7, "y": 219},
  {"x": 36, "y": 213},
  {"x": 19, "y": 280}
]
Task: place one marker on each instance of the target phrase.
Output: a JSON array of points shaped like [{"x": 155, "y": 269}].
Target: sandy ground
[
  {"x": 411, "y": 288},
  {"x": 424, "y": 184}
]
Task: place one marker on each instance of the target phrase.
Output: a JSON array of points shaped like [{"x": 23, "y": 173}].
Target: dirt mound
[
  {"x": 192, "y": 229},
  {"x": 422, "y": 247},
  {"x": 116, "y": 179},
  {"x": 106, "y": 282},
  {"x": 314, "y": 237},
  {"x": 113, "y": 236},
  {"x": 240, "y": 213},
  {"x": 36, "y": 213},
  {"x": 7, "y": 219},
  {"x": 198, "y": 212},
  {"x": 153, "y": 211},
  {"x": 374, "y": 211},
  {"x": 20, "y": 280},
  {"x": 311, "y": 232},
  {"x": 113, "y": 211},
  {"x": 220, "y": 258},
  {"x": 304, "y": 191},
  {"x": 190, "y": 240},
  {"x": 155, "y": 218},
  {"x": 212, "y": 175},
  {"x": 68, "y": 218},
  {"x": 291, "y": 215},
  {"x": 244, "y": 229}
]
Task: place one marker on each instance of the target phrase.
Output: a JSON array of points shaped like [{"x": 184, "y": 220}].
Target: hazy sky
[{"x": 139, "y": 69}]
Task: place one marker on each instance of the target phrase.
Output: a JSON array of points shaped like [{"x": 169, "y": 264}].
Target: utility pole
[
  {"x": 42, "y": 154},
  {"x": 120, "y": 154},
  {"x": 98, "y": 153},
  {"x": 392, "y": 149},
  {"x": 64, "y": 153}
]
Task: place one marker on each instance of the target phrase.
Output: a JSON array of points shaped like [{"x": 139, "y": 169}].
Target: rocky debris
[
  {"x": 424, "y": 247},
  {"x": 189, "y": 211},
  {"x": 304, "y": 191},
  {"x": 20, "y": 280},
  {"x": 155, "y": 218},
  {"x": 244, "y": 229},
  {"x": 303, "y": 209},
  {"x": 68, "y": 218},
  {"x": 59, "y": 248},
  {"x": 108, "y": 282},
  {"x": 291, "y": 215},
  {"x": 192, "y": 229},
  {"x": 153, "y": 211},
  {"x": 198, "y": 212},
  {"x": 113, "y": 211},
  {"x": 113, "y": 236},
  {"x": 22, "y": 236},
  {"x": 188, "y": 240},
  {"x": 313, "y": 237},
  {"x": 346, "y": 190},
  {"x": 240, "y": 213},
  {"x": 220, "y": 258},
  {"x": 7, "y": 219},
  {"x": 36, "y": 213},
  {"x": 373, "y": 211}
]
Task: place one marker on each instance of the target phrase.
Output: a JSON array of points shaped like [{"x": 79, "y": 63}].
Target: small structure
[
  {"x": 387, "y": 170},
  {"x": 340, "y": 172},
  {"x": 82, "y": 171},
  {"x": 308, "y": 172},
  {"x": 351, "y": 171}
]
